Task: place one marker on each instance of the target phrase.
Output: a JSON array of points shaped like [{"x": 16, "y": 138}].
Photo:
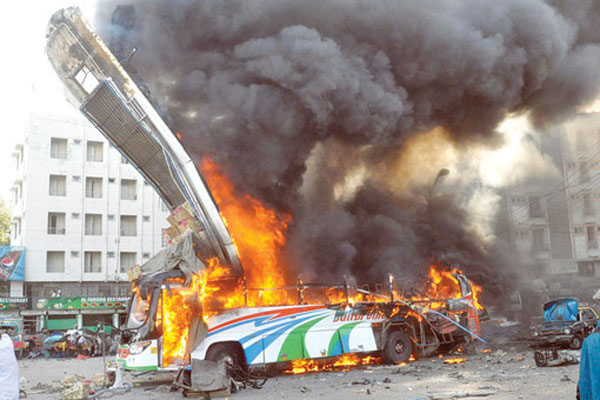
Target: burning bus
[
  {"x": 192, "y": 303},
  {"x": 220, "y": 320}
]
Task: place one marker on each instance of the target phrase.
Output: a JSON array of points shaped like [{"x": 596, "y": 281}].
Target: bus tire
[
  {"x": 398, "y": 347},
  {"x": 227, "y": 352}
]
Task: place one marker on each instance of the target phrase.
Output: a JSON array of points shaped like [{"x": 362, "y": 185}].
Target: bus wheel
[
  {"x": 227, "y": 352},
  {"x": 398, "y": 347}
]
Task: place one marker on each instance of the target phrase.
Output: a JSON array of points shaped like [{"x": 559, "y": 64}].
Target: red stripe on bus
[{"x": 279, "y": 313}]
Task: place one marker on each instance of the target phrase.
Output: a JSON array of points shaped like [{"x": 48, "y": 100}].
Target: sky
[{"x": 29, "y": 82}]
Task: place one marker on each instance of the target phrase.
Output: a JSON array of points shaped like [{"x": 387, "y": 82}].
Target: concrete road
[{"x": 497, "y": 376}]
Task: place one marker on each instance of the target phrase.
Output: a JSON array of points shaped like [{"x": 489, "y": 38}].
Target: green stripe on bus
[
  {"x": 293, "y": 347},
  {"x": 149, "y": 368},
  {"x": 335, "y": 344}
]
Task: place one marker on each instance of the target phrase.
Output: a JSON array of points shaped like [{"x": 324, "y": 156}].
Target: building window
[
  {"x": 538, "y": 240},
  {"x": 586, "y": 268},
  {"x": 56, "y": 223},
  {"x": 105, "y": 291},
  {"x": 591, "y": 237},
  {"x": 16, "y": 229},
  {"x": 93, "y": 188},
  {"x": 588, "y": 206},
  {"x": 18, "y": 191},
  {"x": 92, "y": 262},
  {"x": 535, "y": 207},
  {"x": 58, "y": 148},
  {"x": 58, "y": 185},
  {"x": 94, "y": 151},
  {"x": 55, "y": 261},
  {"x": 584, "y": 172},
  {"x": 128, "y": 225},
  {"x": 128, "y": 189},
  {"x": 93, "y": 224},
  {"x": 127, "y": 260}
]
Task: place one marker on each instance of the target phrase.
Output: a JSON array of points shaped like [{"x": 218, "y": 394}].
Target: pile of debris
[{"x": 72, "y": 387}]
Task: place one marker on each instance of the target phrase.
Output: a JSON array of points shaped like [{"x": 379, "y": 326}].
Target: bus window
[{"x": 139, "y": 312}]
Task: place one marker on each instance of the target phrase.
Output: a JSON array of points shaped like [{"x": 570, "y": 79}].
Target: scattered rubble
[
  {"x": 75, "y": 387},
  {"x": 462, "y": 395}
]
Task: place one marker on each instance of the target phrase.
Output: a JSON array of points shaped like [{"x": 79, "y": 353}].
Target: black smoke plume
[{"x": 274, "y": 88}]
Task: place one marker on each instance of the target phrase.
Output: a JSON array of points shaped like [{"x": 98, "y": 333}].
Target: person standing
[
  {"x": 588, "y": 387},
  {"x": 9, "y": 369}
]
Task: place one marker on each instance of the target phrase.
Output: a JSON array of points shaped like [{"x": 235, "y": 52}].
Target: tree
[{"x": 4, "y": 223}]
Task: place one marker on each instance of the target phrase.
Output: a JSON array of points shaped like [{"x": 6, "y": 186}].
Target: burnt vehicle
[{"x": 566, "y": 324}]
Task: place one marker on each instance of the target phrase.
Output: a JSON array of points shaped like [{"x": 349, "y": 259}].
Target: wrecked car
[{"x": 566, "y": 324}]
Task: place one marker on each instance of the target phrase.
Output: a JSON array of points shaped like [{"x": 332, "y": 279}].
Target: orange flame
[
  {"x": 303, "y": 366},
  {"x": 259, "y": 235},
  {"x": 455, "y": 360},
  {"x": 444, "y": 285}
]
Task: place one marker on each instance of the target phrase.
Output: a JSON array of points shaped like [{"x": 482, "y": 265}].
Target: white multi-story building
[
  {"x": 555, "y": 225},
  {"x": 82, "y": 212}
]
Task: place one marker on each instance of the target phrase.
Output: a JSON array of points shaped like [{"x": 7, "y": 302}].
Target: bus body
[
  {"x": 258, "y": 336},
  {"x": 266, "y": 335}
]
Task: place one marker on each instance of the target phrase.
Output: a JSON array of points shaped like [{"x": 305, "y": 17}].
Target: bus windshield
[{"x": 138, "y": 315}]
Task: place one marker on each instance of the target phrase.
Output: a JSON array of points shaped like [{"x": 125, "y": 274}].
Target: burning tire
[
  {"x": 227, "y": 352},
  {"x": 398, "y": 347}
]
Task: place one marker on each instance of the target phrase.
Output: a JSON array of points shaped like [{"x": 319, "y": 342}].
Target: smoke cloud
[{"x": 316, "y": 108}]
